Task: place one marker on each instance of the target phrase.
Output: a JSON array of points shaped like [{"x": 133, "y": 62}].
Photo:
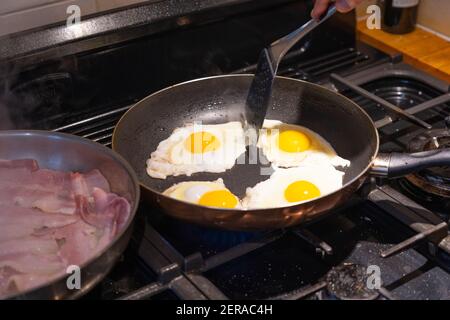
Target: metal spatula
[{"x": 261, "y": 88}]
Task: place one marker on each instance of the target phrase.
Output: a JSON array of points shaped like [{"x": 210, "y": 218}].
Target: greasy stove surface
[
  {"x": 279, "y": 264},
  {"x": 86, "y": 92}
]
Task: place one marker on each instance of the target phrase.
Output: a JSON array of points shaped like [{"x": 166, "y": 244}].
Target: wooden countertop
[{"x": 420, "y": 48}]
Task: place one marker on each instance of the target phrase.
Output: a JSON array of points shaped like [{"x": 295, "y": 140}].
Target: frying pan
[
  {"x": 220, "y": 99},
  {"x": 65, "y": 152}
]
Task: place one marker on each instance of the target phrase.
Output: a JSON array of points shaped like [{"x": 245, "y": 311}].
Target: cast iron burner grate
[
  {"x": 98, "y": 128},
  {"x": 314, "y": 69},
  {"x": 403, "y": 92}
]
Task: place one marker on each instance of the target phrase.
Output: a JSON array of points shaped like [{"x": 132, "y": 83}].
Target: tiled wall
[{"x": 433, "y": 14}]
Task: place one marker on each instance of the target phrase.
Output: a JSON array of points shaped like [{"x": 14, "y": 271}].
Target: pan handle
[{"x": 393, "y": 165}]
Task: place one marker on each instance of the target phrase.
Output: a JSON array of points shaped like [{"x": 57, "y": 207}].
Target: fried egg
[
  {"x": 204, "y": 193},
  {"x": 198, "y": 148},
  {"x": 287, "y": 145},
  {"x": 291, "y": 186}
]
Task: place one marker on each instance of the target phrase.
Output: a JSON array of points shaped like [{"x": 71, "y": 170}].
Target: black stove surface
[
  {"x": 281, "y": 264},
  {"x": 86, "y": 93}
]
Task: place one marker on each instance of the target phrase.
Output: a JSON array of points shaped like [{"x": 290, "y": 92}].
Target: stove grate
[
  {"x": 312, "y": 69},
  {"x": 98, "y": 128}
]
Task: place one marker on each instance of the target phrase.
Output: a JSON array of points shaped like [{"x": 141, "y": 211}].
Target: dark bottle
[{"x": 398, "y": 16}]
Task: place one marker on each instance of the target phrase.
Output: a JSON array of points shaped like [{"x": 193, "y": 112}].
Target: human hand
[{"x": 320, "y": 6}]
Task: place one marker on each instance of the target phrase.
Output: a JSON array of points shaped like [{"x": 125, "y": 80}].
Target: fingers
[
  {"x": 346, "y": 5},
  {"x": 320, "y": 6}
]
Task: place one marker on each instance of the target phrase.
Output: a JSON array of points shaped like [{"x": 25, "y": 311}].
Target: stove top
[
  {"x": 390, "y": 241},
  {"x": 191, "y": 262},
  {"x": 383, "y": 231}
]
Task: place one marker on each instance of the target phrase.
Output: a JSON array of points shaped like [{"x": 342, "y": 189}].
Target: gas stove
[{"x": 391, "y": 241}]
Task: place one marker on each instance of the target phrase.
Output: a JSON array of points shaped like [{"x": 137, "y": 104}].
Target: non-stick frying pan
[{"x": 219, "y": 100}]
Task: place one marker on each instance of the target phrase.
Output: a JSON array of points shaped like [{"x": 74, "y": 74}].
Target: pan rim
[
  {"x": 114, "y": 155},
  {"x": 243, "y": 210}
]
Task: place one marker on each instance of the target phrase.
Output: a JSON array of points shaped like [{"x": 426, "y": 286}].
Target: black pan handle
[{"x": 400, "y": 164}]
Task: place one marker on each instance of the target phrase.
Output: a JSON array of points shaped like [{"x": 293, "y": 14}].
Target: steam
[
  {"x": 22, "y": 99},
  {"x": 6, "y": 121},
  {"x": 13, "y": 106}
]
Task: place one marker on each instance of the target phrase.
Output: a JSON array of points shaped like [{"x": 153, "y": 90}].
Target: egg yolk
[
  {"x": 202, "y": 142},
  {"x": 301, "y": 191},
  {"x": 293, "y": 141},
  {"x": 218, "y": 198}
]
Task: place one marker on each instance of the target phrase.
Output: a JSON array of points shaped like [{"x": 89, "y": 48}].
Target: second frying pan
[
  {"x": 68, "y": 153},
  {"x": 219, "y": 100}
]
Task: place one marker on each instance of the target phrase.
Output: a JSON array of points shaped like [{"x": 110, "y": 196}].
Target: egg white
[
  {"x": 192, "y": 191},
  {"x": 172, "y": 158},
  {"x": 321, "y": 153},
  {"x": 270, "y": 193}
]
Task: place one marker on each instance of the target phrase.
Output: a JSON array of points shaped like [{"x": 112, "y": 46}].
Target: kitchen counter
[{"x": 420, "y": 48}]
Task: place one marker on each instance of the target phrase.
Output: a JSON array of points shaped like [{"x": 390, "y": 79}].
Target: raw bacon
[
  {"x": 79, "y": 241},
  {"x": 30, "y": 244},
  {"x": 44, "y": 264},
  {"x": 33, "y": 218},
  {"x": 47, "y": 190},
  {"x": 107, "y": 211},
  {"x": 94, "y": 179},
  {"x": 50, "y": 220},
  {"x": 30, "y": 164}
]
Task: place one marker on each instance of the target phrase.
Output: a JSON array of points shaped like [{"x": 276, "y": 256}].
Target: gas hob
[{"x": 391, "y": 241}]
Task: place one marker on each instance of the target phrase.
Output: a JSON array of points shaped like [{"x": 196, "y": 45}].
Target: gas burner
[
  {"x": 429, "y": 200},
  {"x": 349, "y": 282},
  {"x": 434, "y": 181}
]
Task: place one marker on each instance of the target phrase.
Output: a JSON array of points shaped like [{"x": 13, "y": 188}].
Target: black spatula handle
[{"x": 280, "y": 47}]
